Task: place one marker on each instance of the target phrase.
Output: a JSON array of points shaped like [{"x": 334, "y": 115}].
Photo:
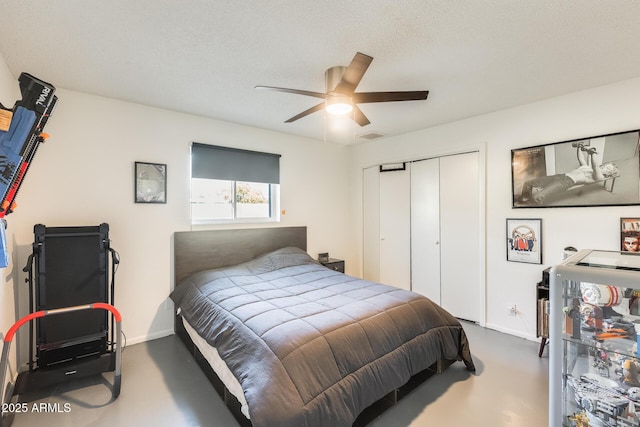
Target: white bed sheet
[{"x": 219, "y": 366}]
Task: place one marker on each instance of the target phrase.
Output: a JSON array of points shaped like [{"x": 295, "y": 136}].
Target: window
[{"x": 232, "y": 185}]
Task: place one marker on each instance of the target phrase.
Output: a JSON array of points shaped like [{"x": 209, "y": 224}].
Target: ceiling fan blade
[
  {"x": 296, "y": 91},
  {"x": 353, "y": 74},
  {"x": 365, "y": 97},
  {"x": 306, "y": 112},
  {"x": 359, "y": 117}
]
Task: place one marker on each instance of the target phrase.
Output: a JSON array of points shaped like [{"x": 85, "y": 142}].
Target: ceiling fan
[{"x": 340, "y": 96}]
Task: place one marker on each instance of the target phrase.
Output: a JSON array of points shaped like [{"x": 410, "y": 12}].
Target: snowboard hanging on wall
[{"x": 21, "y": 134}]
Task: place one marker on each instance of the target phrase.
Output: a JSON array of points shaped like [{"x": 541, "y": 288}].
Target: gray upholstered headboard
[{"x": 201, "y": 250}]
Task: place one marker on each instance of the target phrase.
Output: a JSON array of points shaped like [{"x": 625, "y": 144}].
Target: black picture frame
[
  {"x": 150, "y": 182},
  {"x": 524, "y": 240},
  {"x": 554, "y": 175}
]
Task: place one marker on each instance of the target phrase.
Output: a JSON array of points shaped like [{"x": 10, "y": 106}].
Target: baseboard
[
  {"x": 512, "y": 332},
  {"x": 149, "y": 337}
]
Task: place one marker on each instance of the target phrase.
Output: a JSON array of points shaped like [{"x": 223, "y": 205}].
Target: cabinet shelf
[{"x": 621, "y": 346}]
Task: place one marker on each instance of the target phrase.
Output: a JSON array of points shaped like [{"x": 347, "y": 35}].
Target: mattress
[
  {"x": 311, "y": 346},
  {"x": 221, "y": 369}
]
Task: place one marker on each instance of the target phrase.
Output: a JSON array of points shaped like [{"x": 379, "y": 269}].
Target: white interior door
[
  {"x": 425, "y": 228},
  {"x": 395, "y": 228},
  {"x": 371, "y": 224},
  {"x": 460, "y": 236}
]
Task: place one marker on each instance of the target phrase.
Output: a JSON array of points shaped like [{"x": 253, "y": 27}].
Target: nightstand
[{"x": 334, "y": 264}]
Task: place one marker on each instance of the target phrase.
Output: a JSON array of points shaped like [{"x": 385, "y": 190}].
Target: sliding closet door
[
  {"x": 421, "y": 231},
  {"x": 445, "y": 233},
  {"x": 460, "y": 236},
  {"x": 395, "y": 228},
  {"x": 425, "y": 228}
]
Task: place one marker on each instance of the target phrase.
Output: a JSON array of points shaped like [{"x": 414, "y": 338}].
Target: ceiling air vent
[{"x": 370, "y": 135}]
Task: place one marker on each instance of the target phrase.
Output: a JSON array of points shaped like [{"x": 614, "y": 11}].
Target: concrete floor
[{"x": 163, "y": 386}]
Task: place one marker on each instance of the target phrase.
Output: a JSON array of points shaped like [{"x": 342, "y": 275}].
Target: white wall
[
  {"x": 602, "y": 110},
  {"x": 83, "y": 175}
]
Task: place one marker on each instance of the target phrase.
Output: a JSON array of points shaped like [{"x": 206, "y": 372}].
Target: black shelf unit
[{"x": 542, "y": 312}]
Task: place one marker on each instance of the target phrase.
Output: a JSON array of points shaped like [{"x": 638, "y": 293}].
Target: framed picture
[
  {"x": 597, "y": 171},
  {"x": 630, "y": 234},
  {"x": 150, "y": 182},
  {"x": 524, "y": 240}
]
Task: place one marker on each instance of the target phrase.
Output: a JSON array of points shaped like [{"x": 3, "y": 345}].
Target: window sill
[{"x": 200, "y": 222}]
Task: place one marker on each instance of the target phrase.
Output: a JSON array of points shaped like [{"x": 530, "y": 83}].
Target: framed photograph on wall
[
  {"x": 524, "y": 240},
  {"x": 597, "y": 171},
  {"x": 630, "y": 234},
  {"x": 150, "y": 182}
]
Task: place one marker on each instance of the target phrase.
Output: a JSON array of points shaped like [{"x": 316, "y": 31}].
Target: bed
[{"x": 289, "y": 342}]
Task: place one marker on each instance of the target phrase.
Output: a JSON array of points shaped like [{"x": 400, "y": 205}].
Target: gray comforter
[{"x": 311, "y": 346}]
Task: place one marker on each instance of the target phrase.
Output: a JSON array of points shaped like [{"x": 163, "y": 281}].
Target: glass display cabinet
[{"x": 594, "y": 359}]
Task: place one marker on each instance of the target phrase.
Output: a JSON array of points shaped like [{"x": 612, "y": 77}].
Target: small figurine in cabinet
[
  {"x": 630, "y": 373},
  {"x": 592, "y": 318},
  {"x": 601, "y": 362},
  {"x": 580, "y": 420},
  {"x": 572, "y": 320}
]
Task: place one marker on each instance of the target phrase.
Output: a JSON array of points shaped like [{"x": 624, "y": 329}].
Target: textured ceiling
[{"x": 204, "y": 57}]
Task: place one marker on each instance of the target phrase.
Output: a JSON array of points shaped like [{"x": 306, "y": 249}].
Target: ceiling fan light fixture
[
  {"x": 339, "y": 105},
  {"x": 340, "y": 96}
]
